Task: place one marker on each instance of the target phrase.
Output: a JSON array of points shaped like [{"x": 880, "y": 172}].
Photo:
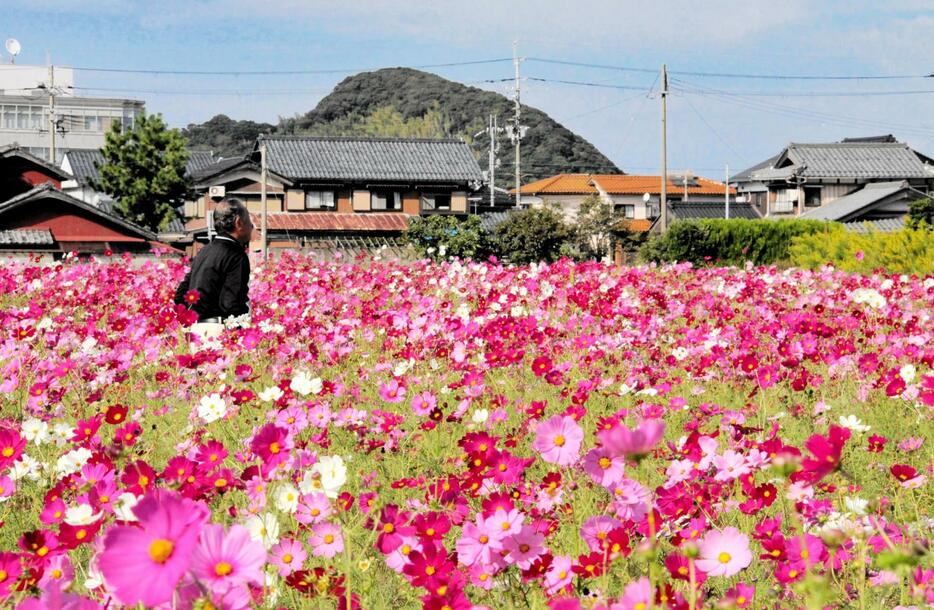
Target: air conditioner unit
[{"x": 217, "y": 192}]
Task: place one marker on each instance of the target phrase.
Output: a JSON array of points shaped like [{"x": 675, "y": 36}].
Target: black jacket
[{"x": 220, "y": 273}]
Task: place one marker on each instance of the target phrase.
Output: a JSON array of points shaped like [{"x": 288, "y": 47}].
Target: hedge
[
  {"x": 909, "y": 251},
  {"x": 729, "y": 242}
]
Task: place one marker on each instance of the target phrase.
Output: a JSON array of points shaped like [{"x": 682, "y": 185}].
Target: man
[{"x": 220, "y": 272}]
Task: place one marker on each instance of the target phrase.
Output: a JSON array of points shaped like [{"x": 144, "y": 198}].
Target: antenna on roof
[{"x": 14, "y": 48}]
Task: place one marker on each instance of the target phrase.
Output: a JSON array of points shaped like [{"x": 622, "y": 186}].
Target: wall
[{"x": 66, "y": 222}]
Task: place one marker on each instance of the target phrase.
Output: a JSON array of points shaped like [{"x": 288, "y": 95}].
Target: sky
[{"x": 717, "y": 114}]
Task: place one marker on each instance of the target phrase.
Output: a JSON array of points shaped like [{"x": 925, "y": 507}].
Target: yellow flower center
[
  {"x": 3, "y": 575},
  {"x": 43, "y": 551},
  {"x": 160, "y": 550},
  {"x": 143, "y": 481},
  {"x": 484, "y": 539},
  {"x": 430, "y": 570},
  {"x": 315, "y": 512},
  {"x": 792, "y": 573},
  {"x": 639, "y": 606},
  {"x": 389, "y": 528},
  {"x": 220, "y": 483},
  {"x": 7, "y": 451},
  {"x": 81, "y": 535},
  {"x": 724, "y": 557},
  {"x": 328, "y": 539},
  {"x": 740, "y": 600},
  {"x": 223, "y": 568},
  {"x": 273, "y": 447},
  {"x": 430, "y": 531},
  {"x": 287, "y": 558},
  {"x": 559, "y": 441},
  {"x": 604, "y": 463},
  {"x": 56, "y": 574}
]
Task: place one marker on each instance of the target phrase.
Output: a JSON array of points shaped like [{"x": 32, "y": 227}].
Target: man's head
[{"x": 232, "y": 217}]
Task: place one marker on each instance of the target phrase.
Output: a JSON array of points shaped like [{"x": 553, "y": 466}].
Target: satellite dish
[
  {"x": 646, "y": 197},
  {"x": 13, "y": 47}
]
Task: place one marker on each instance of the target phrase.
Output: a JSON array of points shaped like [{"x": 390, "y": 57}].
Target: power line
[
  {"x": 585, "y": 84},
  {"x": 733, "y": 74},
  {"x": 280, "y": 72}
]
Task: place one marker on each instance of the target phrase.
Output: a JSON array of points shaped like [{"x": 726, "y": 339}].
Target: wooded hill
[{"x": 401, "y": 102}]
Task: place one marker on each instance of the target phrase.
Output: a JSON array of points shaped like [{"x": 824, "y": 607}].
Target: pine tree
[{"x": 144, "y": 171}]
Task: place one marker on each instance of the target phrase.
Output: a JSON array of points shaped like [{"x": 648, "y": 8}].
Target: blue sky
[{"x": 712, "y": 120}]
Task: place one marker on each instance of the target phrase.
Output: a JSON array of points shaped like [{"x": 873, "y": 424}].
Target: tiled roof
[
  {"x": 372, "y": 159},
  {"x": 640, "y": 225},
  {"x": 14, "y": 150},
  {"x": 857, "y": 160},
  {"x": 198, "y": 160},
  {"x": 619, "y": 184},
  {"x": 85, "y": 163},
  {"x": 490, "y": 220},
  {"x": 322, "y": 221},
  {"x": 690, "y": 210},
  {"x": 218, "y": 167},
  {"x": 26, "y": 237},
  {"x": 884, "y": 225},
  {"x": 842, "y": 208},
  {"x": 176, "y": 225}
]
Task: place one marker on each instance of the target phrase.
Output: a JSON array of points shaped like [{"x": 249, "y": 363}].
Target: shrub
[
  {"x": 442, "y": 236},
  {"x": 921, "y": 214},
  {"x": 531, "y": 236},
  {"x": 908, "y": 251},
  {"x": 728, "y": 242}
]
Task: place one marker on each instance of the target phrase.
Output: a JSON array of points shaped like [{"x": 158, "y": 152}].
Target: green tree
[
  {"x": 597, "y": 227},
  {"x": 921, "y": 214},
  {"x": 530, "y": 236},
  {"x": 144, "y": 171},
  {"x": 225, "y": 136},
  {"x": 443, "y": 236}
]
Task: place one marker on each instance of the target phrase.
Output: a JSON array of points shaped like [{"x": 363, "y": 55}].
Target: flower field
[{"x": 467, "y": 435}]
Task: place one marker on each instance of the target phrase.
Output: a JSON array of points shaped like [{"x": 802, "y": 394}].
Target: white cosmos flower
[
  {"x": 62, "y": 432},
  {"x": 907, "y": 373},
  {"x": 853, "y": 423},
  {"x": 287, "y": 498},
  {"x": 327, "y": 475},
  {"x": 679, "y": 353},
  {"x": 211, "y": 408},
  {"x": 304, "y": 385},
  {"x": 263, "y": 528},
  {"x": 123, "y": 507},
  {"x": 856, "y": 505},
  {"x": 36, "y": 431},
  {"x": 271, "y": 394},
  {"x": 480, "y": 416},
  {"x": 73, "y": 461},
  {"x": 82, "y": 514},
  {"x": 625, "y": 388},
  {"x": 26, "y": 467}
]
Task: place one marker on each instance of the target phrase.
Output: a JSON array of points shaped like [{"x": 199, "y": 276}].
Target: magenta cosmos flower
[
  {"x": 724, "y": 553},
  {"x": 620, "y": 440},
  {"x": 225, "y": 559},
  {"x": 144, "y": 564},
  {"x": 558, "y": 440}
]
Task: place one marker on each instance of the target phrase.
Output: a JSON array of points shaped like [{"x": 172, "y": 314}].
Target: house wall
[
  {"x": 66, "y": 222},
  {"x": 411, "y": 203}
]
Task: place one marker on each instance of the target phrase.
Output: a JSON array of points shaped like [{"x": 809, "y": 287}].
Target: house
[
  {"x": 330, "y": 191},
  {"x": 636, "y": 197},
  {"x": 882, "y": 204},
  {"x": 805, "y": 177},
  {"x": 36, "y": 217}
]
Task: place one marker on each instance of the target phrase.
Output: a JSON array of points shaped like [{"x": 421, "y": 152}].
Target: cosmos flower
[{"x": 724, "y": 553}]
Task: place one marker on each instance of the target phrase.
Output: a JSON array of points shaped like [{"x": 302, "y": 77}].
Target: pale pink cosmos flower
[
  {"x": 731, "y": 465},
  {"x": 602, "y": 468},
  {"x": 620, "y": 440},
  {"x": 724, "y": 553},
  {"x": 677, "y": 472},
  {"x": 326, "y": 540},
  {"x": 505, "y": 522},
  {"x": 630, "y": 500},
  {"x": 228, "y": 560},
  {"x": 524, "y": 548},
  {"x": 911, "y": 444},
  {"x": 478, "y": 543},
  {"x": 423, "y": 403},
  {"x": 392, "y": 392},
  {"x": 287, "y": 556},
  {"x": 559, "y": 574},
  {"x": 595, "y": 529},
  {"x": 558, "y": 440},
  {"x": 636, "y": 596}
]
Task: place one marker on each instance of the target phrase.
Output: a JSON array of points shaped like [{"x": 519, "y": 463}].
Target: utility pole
[
  {"x": 685, "y": 186},
  {"x": 492, "y": 132},
  {"x": 262, "y": 166},
  {"x": 517, "y": 129},
  {"x": 663, "y": 211},
  {"x": 51, "y": 113},
  {"x": 726, "y": 191}
]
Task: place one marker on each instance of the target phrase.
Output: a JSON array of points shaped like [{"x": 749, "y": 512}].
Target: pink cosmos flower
[
  {"x": 326, "y": 540},
  {"x": 559, "y": 575},
  {"x": 144, "y": 564},
  {"x": 524, "y": 548},
  {"x": 478, "y": 543},
  {"x": 227, "y": 559},
  {"x": 422, "y": 404},
  {"x": 288, "y": 556},
  {"x": 603, "y": 468},
  {"x": 595, "y": 529},
  {"x": 724, "y": 553},
  {"x": 630, "y": 500},
  {"x": 392, "y": 392},
  {"x": 636, "y": 596},
  {"x": 10, "y": 569},
  {"x": 620, "y": 440},
  {"x": 558, "y": 440}
]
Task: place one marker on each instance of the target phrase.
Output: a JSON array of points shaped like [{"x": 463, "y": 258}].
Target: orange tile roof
[
  {"x": 616, "y": 184},
  {"x": 639, "y": 226},
  {"x": 637, "y": 185},
  {"x": 323, "y": 221},
  {"x": 562, "y": 184}
]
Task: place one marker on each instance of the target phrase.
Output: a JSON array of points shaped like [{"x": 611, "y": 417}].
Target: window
[
  {"x": 9, "y": 117},
  {"x": 628, "y": 210},
  {"x": 436, "y": 201},
  {"x": 812, "y": 197},
  {"x": 319, "y": 200},
  {"x": 91, "y": 123},
  {"x": 385, "y": 200}
]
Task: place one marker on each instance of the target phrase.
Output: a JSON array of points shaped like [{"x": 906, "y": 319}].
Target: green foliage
[
  {"x": 729, "y": 242},
  {"x": 408, "y": 103},
  {"x": 598, "y": 223},
  {"x": 906, "y": 251},
  {"x": 225, "y": 136},
  {"x": 442, "y": 236},
  {"x": 531, "y": 236},
  {"x": 144, "y": 171},
  {"x": 921, "y": 214}
]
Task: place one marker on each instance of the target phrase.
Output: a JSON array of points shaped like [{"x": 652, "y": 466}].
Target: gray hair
[{"x": 226, "y": 213}]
